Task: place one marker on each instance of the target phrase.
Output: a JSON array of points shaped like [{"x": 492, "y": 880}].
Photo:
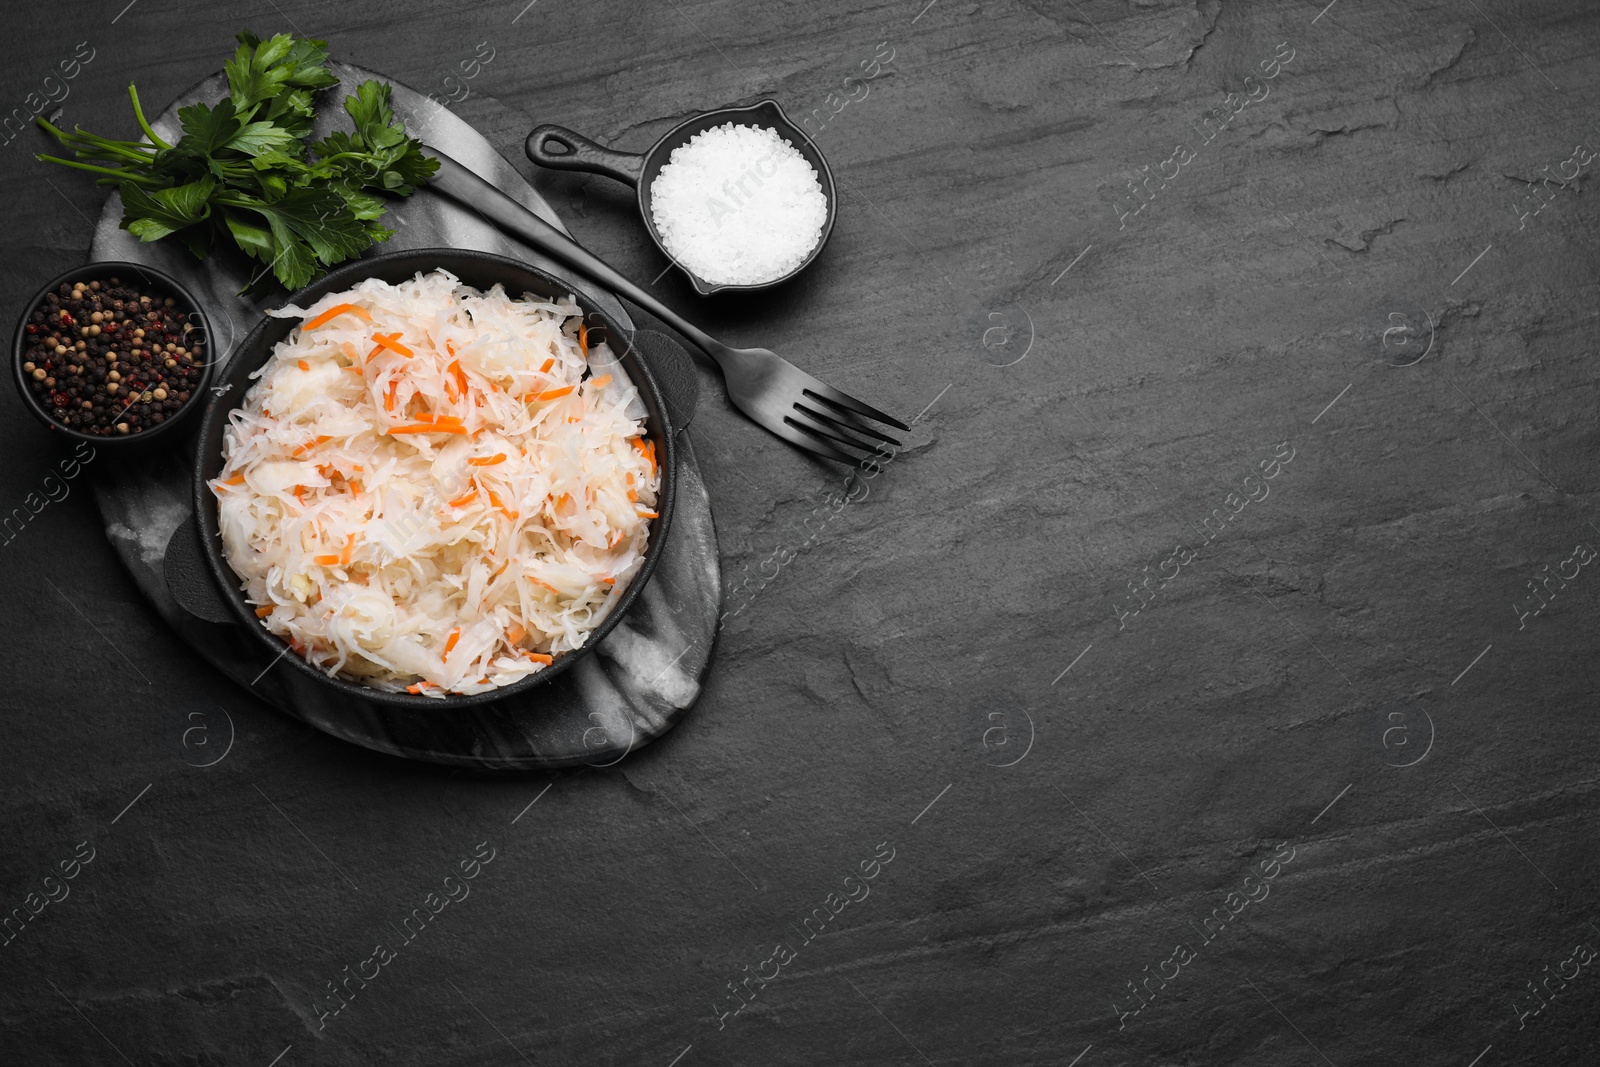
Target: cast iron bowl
[
  {"x": 480, "y": 270},
  {"x": 146, "y": 280},
  {"x": 581, "y": 154}
]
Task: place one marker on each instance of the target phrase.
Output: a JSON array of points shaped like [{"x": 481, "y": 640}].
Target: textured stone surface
[{"x": 916, "y": 633}]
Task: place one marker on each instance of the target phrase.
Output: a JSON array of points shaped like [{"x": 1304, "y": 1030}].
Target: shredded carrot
[
  {"x": 357, "y": 371},
  {"x": 334, "y": 312},
  {"x": 297, "y": 491},
  {"x": 326, "y": 561},
  {"x": 237, "y": 479},
  {"x": 583, "y": 338},
  {"x": 460, "y": 375},
  {"x": 498, "y": 457},
  {"x": 615, "y": 538},
  {"x": 547, "y": 585},
  {"x": 264, "y": 610},
  {"x": 349, "y": 549},
  {"x": 609, "y": 581},
  {"x": 313, "y": 443},
  {"x": 425, "y": 428},
  {"x": 494, "y": 498},
  {"x": 355, "y": 486},
  {"x": 540, "y": 657},
  {"x": 552, "y": 394},
  {"x": 450, "y": 642},
  {"x": 450, "y": 348},
  {"x": 388, "y": 397},
  {"x": 462, "y": 501},
  {"x": 391, "y": 341},
  {"x": 596, "y": 383},
  {"x": 649, "y": 515},
  {"x": 547, "y": 365},
  {"x": 420, "y": 686},
  {"x": 515, "y": 634},
  {"x": 304, "y": 365},
  {"x": 647, "y": 453},
  {"x": 350, "y": 351}
]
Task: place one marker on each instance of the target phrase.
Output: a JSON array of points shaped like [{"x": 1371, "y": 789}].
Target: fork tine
[
  {"x": 808, "y": 442},
  {"x": 820, "y": 390},
  {"x": 845, "y": 422},
  {"x": 821, "y": 429}
]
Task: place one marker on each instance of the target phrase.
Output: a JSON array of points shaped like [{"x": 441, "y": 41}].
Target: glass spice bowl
[{"x": 147, "y": 281}]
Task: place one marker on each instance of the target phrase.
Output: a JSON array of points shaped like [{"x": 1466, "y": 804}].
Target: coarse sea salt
[{"x": 738, "y": 205}]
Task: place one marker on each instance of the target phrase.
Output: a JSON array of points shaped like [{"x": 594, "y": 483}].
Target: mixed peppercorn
[{"x": 107, "y": 359}]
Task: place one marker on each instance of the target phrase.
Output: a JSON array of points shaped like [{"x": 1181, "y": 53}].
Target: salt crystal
[{"x": 738, "y": 205}]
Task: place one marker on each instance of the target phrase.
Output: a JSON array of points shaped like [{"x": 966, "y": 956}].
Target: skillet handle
[
  {"x": 675, "y": 375},
  {"x": 189, "y": 579},
  {"x": 573, "y": 151}
]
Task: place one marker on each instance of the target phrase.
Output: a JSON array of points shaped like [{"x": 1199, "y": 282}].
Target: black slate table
[{"x": 1209, "y": 681}]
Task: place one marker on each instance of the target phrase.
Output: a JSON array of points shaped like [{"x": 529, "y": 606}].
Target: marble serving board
[{"x": 633, "y": 688}]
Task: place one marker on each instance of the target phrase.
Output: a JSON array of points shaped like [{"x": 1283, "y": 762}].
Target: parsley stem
[
  {"x": 124, "y": 147},
  {"x": 143, "y": 125},
  {"x": 85, "y": 143},
  {"x": 120, "y": 175}
]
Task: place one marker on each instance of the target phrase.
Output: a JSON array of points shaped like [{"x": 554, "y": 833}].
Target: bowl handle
[
  {"x": 575, "y": 152},
  {"x": 675, "y": 374},
  {"x": 189, "y": 579}
]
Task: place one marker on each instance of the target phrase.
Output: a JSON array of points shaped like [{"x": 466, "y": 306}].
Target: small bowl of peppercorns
[{"x": 112, "y": 351}]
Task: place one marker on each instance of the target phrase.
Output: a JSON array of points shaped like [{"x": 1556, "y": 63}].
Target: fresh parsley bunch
[{"x": 245, "y": 170}]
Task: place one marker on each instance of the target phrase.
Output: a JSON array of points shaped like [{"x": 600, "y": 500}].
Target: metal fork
[{"x": 798, "y": 407}]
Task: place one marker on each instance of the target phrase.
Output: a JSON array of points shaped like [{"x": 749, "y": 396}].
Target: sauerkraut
[{"x": 436, "y": 489}]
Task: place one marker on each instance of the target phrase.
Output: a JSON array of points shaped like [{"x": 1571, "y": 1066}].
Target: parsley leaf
[
  {"x": 259, "y": 137},
  {"x": 206, "y": 129},
  {"x": 304, "y": 228},
  {"x": 165, "y": 211}
]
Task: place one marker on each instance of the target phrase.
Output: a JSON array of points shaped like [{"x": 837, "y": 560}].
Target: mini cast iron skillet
[
  {"x": 575, "y": 152},
  {"x": 480, "y": 270}
]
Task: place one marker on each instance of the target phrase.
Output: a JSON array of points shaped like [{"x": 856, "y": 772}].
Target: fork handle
[{"x": 462, "y": 185}]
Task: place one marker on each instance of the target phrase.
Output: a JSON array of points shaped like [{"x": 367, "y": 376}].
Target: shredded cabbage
[{"x": 430, "y": 488}]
